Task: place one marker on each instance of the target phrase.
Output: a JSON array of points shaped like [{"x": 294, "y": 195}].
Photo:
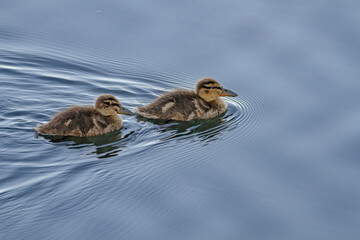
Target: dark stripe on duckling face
[
  {"x": 108, "y": 103},
  {"x": 110, "y": 99},
  {"x": 211, "y": 87},
  {"x": 207, "y": 83}
]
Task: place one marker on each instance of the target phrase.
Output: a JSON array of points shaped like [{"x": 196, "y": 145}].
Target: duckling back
[
  {"x": 182, "y": 105},
  {"x": 80, "y": 121}
]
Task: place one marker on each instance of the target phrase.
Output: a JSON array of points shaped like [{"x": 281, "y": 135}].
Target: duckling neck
[
  {"x": 218, "y": 105},
  {"x": 214, "y": 103},
  {"x": 108, "y": 118},
  {"x": 112, "y": 118}
]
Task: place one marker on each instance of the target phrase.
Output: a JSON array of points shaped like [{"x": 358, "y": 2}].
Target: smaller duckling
[
  {"x": 183, "y": 105},
  {"x": 87, "y": 121}
]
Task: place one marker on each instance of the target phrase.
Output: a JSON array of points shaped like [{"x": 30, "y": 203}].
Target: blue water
[{"x": 281, "y": 163}]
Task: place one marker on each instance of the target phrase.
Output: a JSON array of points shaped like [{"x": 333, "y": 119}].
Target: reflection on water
[
  {"x": 107, "y": 145},
  {"x": 204, "y": 129}
]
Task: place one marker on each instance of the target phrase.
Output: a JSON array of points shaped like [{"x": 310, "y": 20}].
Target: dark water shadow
[
  {"x": 205, "y": 130},
  {"x": 107, "y": 145}
]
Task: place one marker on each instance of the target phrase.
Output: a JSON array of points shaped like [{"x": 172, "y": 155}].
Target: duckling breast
[
  {"x": 206, "y": 110},
  {"x": 103, "y": 125}
]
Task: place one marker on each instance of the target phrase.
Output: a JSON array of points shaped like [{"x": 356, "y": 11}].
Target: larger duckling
[
  {"x": 183, "y": 105},
  {"x": 87, "y": 121}
]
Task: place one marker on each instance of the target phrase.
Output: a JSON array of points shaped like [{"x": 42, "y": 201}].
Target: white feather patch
[
  {"x": 95, "y": 123},
  {"x": 167, "y": 106},
  {"x": 68, "y": 122}
]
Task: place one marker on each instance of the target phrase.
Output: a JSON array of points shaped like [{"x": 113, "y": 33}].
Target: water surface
[{"x": 281, "y": 163}]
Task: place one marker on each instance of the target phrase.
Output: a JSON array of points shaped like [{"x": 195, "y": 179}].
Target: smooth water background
[{"x": 281, "y": 163}]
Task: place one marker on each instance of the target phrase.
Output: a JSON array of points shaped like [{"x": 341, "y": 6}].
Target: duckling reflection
[
  {"x": 87, "y": 121},
  {"x": 183, "y": 105},
  {"x": 107, "y": 145},
  {"x": 206, "y": 130}
]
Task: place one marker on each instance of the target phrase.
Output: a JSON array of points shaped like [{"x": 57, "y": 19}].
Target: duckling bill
[
  {"x": 183, "y": 105},
  {"x": 87, "y": 121}
]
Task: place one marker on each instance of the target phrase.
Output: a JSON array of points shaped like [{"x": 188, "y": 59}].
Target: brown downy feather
[
  {"x": 81, "y": 122},
  {"x": 87, "y": 121},
  {"x": 183, "y": 105}
]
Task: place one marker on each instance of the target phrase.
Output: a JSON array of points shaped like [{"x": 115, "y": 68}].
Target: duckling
[
  {"x": 87, "y": 121},
  {"x": 183, "y": 105}
]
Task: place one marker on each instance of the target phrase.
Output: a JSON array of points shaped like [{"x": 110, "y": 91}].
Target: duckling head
[
  {"x": 108, "y": 105},
  {"x": 209, "y": 90}
]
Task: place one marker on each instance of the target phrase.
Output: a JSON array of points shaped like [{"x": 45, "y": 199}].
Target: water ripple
[{"x": 47, "y": 84}]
